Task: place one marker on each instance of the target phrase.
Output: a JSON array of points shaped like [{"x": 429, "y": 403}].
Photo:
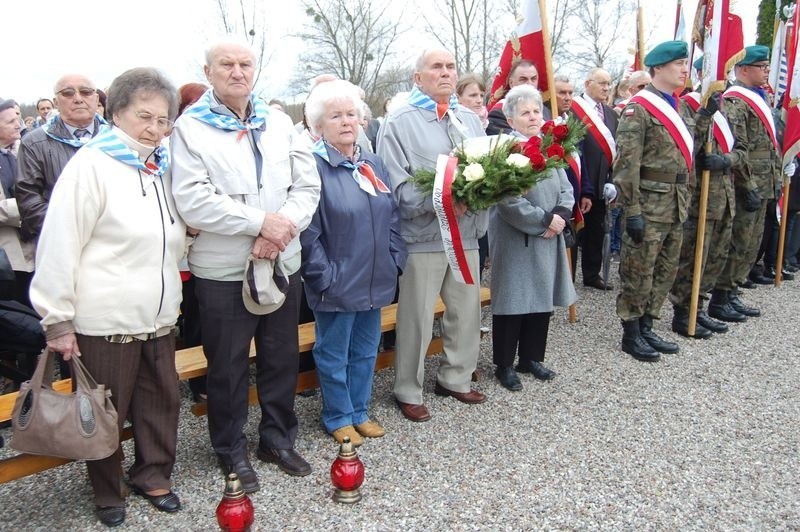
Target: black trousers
[
  {"x": 227, "y": 329},
  {"x": 591, "y": 241},
  {"x": 528, "y": 332}
]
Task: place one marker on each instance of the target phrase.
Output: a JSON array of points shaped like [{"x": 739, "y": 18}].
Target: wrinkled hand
[
  {"x": 609, "y": 192},
  {"x": 790, "y": 169},
  {"x": 67, "y": 345},
  {"x": 585, "y": 205},
  {"x": 713, "y": 161},
  {"x": 278, "y": 229},
  {"x": 752, "y": 201},
  {"x": 634, "y": 226},
  {"x": 460, "y": 208},
  {"x": 264, "y": 249},
  {"x": 557, "y": 224}
]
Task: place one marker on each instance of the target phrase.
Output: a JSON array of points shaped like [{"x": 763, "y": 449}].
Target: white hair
[
  {"x": 326, "y": 93},
  {"x": 228, "y": 40},
  {"x": 517, "y": 95}
]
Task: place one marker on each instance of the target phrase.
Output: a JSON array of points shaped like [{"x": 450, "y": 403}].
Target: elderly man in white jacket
[{"x": 248, "y": 182}]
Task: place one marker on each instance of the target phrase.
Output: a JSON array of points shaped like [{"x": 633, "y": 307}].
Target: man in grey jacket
[
  {"x": 431, "y": 123},
  {"x": 45, "y": 151}
]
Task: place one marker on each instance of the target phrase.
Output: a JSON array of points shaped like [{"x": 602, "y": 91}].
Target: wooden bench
[{"x": 191, "y": 363}]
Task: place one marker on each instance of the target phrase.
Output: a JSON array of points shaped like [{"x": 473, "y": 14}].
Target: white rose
[
  {"x": 518, "y": 160},
  {"x": 473, "y": 172},
  {"x": 474, "y": 153}
]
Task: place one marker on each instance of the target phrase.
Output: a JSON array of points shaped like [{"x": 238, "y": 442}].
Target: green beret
[
  {"x": 666, "y": 52},
  {"x": 698, "y": 64},
  {"x": 754, "y": 54}
]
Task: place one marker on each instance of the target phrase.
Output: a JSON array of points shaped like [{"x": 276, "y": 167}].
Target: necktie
[
  {"x": 82, "y": 133},
  {"x": 441, "y": 110},
  {"x": 600, "y": 112}
]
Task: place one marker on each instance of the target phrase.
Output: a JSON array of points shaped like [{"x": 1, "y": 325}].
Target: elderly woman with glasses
[
  {"x": 530, "y": 271},
  {"x": 107, "y": 284},
  {"x": 352, "y": 255}
]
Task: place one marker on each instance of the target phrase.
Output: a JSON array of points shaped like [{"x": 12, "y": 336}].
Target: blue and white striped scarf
[
  {"x": 72, "y": 141},
  {"x": 109, "y": 142},
  {"x": 361, "y": 180},
  {"x": 417, "y": 98},
  {"x": 201, "y": 110}
]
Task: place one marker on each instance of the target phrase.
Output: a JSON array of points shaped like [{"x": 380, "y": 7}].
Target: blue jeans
[{"x": 344, "y": 352}]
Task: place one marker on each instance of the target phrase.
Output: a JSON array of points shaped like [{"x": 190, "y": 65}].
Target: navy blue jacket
[{"x": 352, "y": 251}]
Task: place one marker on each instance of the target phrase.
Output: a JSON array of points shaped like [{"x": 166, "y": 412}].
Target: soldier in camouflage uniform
[
  {"x": 756, "y": 173},
  {"x": 651, "y": 175},
  {"x": 719, "y": 220}
]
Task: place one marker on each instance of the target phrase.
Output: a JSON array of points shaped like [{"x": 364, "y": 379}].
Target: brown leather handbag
[{"x": 79, "y": 426}]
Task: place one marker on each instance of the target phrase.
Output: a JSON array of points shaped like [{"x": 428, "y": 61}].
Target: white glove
[
  {"x": 609, "y": 192},
  {"x": 790, "y": 168}
]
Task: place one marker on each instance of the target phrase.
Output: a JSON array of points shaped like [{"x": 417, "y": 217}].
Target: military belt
[
  {"x": 662, "y": 177},
  {"x": 760, "y": 154}
]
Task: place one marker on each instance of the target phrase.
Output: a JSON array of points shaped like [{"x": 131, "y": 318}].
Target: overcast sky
[{"x": 44, "y": 39}]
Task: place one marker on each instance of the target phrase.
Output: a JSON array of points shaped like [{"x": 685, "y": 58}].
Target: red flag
[
  {"x": 791, "y": 111},
  {"x": 719, "y": 34},
  {"x": 526, "y": 43}
]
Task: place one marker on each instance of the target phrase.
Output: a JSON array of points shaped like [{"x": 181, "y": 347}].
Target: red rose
[
  {"x": 555, "y": 150},
  {"x": 532, "y": 146},
  {"x": 547, "y": 127},
  {"x": 538, "y": 162},
  {"x": 560, "y": 132}
]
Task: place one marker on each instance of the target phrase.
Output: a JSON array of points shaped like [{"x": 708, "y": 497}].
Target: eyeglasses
[
  {"x": 69, "y": 92},
  {"x": 764, "y": 67},
  {"x": 162, "y": 123}
]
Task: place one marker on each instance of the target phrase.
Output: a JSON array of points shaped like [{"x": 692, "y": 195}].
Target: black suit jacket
[{"x": 596, "y": 167}]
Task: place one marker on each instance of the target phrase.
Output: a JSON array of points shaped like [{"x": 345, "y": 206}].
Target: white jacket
[
  {"x": 107, "y": 259},
  {"x": 217, "y": 191}
]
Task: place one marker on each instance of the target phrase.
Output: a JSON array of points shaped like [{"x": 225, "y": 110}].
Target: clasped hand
[
  {"x": 557, "y": 225},
  {"x": 276, "y": 232}
]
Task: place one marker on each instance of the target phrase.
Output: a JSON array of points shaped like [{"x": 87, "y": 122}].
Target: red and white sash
[
  {"x": 662, "y": 111},
  {"x": 759, "y": 107},
  {"x": 446, "y": 167},
  {"x": 574, "y": 162},
  {"x": 721, "y": 129},
  {"x": 596, "y": 127}
]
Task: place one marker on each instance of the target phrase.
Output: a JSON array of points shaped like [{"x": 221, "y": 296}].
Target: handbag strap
[
  {"x": 43, "y": 375},
  {"x": 81, "y": 375}
]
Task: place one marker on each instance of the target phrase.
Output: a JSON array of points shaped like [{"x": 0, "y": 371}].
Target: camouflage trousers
[
  {"x": 647, "y": 270},
  {"x": 748, "y": 229},
  {"x": 716, "y": 243}
]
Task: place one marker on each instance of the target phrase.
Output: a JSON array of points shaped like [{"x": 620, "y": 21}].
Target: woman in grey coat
[{"x": 530, "y": 271}]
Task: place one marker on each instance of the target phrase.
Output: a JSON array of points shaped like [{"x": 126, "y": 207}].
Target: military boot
[
  {"x": 720, "y": 307},
  {"x": 741, "y": 308},
  {"x": 635, "y": 345},
  {"x": 680, "y": 324},
  {"x": 708, "y": 322},
  {"x": 655, "y": 341}
]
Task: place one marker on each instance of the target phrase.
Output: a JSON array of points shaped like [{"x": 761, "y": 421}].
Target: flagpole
[
  {"x": 551, "y": 89},
  {"x": 702, "y": 209},
  {"x": 782, "y": 236},
  {"x": 640, "y": 32}
]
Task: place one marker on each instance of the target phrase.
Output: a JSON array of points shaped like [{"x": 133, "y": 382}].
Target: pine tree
[{"x": 766, "y": 20}]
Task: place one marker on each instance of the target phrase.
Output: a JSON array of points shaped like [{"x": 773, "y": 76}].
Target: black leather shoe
[
  {"x": 748, "y": 284},
  {"x": 741, "y": 308},
  {"x": 760, "y": 277},
  {"x": 110, "y": 515},
  {"x": 709, "y": 323},
  {"x": 680, "y": 324},
  {"x": 655, "y": 341},
  {"x": 786, "y": 275},
  {"x": 247, "y": 476},
  {"x": 791, "y": 268},
  {"x": 287, "y": 459},
  {"x": 537, "y": 369},
  {"x": 635, "y": 345},
  {"x": 599, "y": 284},
  {"x": 720, "y": 307},
  {"x": 508, "y": 378},
  {"x": 169, "y": 502}
]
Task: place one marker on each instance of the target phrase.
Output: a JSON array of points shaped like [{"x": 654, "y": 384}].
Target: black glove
[
  {"x": 713, "y": 161},
  {"x": 712, "y": 105},
  {"x": 752, "y": 201},
  {"x": 634, "y": 226}
]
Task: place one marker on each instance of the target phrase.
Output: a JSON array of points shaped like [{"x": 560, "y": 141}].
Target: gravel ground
[{"x": 706, "y": 439}]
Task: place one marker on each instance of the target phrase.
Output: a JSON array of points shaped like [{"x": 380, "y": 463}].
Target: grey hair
[
  {"x": 366, "y": 111},
  {"x": 326, "y": 93},
  {"x": 634, "y": 77},
  {"x": 420, "y": 64},
  {"x": 136, "y": 81},
  {"x": 227, "y": 41},
  {"x": 591, "y": 74},
  {"x": 561, "y": 78},
  {"x": 517, "y": 95}
]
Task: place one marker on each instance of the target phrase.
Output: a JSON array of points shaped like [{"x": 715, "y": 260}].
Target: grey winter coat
[{"x": 531, "y": 273}]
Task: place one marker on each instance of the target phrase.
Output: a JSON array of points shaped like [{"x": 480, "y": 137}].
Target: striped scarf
[
  {"x": 201, "y": 110},
  {"x": 417, "y": 98},
  {"x": 363, "y": 174},
  {"x": 72, "y": 141},
  {"x": 109, "y": 142}
]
